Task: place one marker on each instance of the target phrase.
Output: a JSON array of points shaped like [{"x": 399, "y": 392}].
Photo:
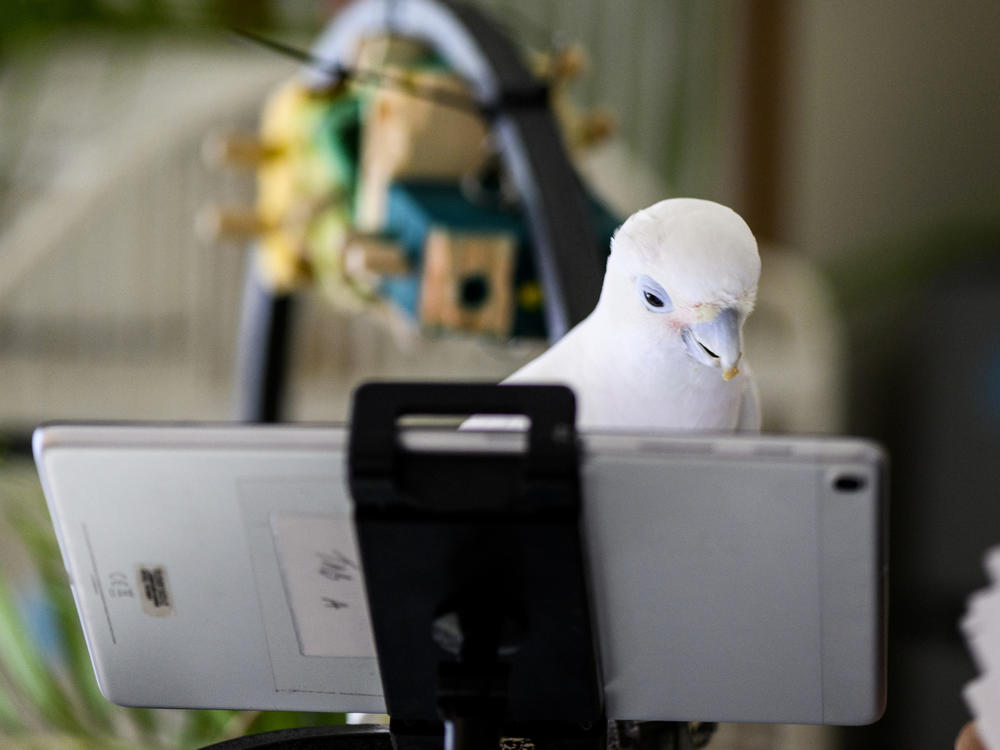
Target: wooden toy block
[
  {"x": 367, "y": 256},
  {"x": 220, "y": 223},
  {"x": 467, "y": 282},
  {"x": 235, "y": 149},
  {"x": 594, "y": 128},
  {"x": 560, "y": 66},
  {"x": 581, "y": 130},
  {"x": 377, "y": 51},
  {"x": 406, "y": 136}
]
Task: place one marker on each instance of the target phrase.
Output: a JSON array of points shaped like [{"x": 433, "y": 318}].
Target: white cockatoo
[{"x": 663, "y": 349}]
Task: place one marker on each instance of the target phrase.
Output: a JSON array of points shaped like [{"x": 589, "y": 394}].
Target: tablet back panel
[
  {"x": 748, "y": 588},
  {"x": 733, "y": 578}
]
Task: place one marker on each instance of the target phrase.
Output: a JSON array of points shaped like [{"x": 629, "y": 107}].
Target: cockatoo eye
[{"x": 654, "y": 297}]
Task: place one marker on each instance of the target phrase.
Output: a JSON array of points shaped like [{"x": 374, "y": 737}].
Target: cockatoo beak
[{"x": 718, "y": 342}]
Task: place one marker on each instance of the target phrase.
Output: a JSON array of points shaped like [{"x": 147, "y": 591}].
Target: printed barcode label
[{"x": 153, "y": 590}]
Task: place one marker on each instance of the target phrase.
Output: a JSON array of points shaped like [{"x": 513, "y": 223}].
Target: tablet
[{"x": 734, "y": 578}]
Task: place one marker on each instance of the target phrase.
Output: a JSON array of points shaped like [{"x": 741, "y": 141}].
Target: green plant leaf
[
  {"x": 10, "y": 719},
  {"x": 27, "y": 671}
]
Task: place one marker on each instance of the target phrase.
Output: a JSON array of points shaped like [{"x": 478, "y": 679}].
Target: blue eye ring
[{"x": 654, "y": 297}]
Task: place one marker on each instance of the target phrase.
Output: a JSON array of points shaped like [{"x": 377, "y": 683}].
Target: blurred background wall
[{"x": 859, "y": 140}]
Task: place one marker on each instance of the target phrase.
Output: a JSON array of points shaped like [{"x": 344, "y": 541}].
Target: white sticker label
[
  {"x": 154, "y": 594},
  {"x": 321, "y": 570}
]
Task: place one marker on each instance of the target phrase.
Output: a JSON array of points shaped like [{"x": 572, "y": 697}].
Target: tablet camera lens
[{"x": 848, "y": 483}]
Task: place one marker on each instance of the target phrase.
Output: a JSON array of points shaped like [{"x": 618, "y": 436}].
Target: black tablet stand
[
  {"x": 476, "y": 582},
  {"x": 475, "y": 573}
]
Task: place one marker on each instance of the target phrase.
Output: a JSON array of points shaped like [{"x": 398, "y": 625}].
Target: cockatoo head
[{"x": 683, "y": 273}]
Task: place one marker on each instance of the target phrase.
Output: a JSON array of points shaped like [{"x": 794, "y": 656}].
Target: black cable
[{"x": 339, "y": 72}]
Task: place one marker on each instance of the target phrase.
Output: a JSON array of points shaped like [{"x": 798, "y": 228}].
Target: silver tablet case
[{"x": 732, "y": 580}]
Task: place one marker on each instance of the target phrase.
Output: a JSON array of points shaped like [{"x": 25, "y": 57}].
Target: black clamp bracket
[{"x": 475, "y": 572}]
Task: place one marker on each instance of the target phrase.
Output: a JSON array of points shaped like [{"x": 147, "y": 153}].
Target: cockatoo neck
[{"x": 618, "y": 277}]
